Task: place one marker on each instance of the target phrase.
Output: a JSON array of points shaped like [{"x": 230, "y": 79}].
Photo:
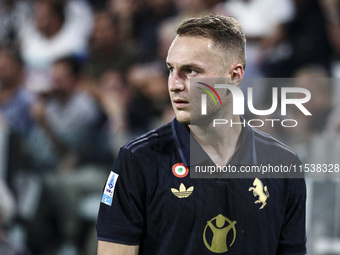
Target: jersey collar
[{"x": 245, "y": 155}]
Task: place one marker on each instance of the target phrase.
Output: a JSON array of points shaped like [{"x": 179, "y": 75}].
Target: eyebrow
[{"x": 187, "y": 66}]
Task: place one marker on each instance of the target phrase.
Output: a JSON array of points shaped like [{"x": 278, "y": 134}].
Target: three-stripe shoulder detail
[
  {"x": 149, "y": 138},
  {"x": 269, "y": 140}
]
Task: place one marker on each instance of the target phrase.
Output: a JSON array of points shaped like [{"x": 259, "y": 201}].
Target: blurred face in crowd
[
  {"x": 112, "y": 81},
  {"x": 104, "y": 32},
  {"x": 192, "y": 57},
  {"x": 42, "y": 15},
  {"x": 63, "y": 81},
  {"x": 10, "y": 70},
  {"x": 46, "y": 21},
  {"x": 123, "y": 8}
]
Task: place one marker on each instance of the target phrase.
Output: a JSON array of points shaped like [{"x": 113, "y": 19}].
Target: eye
[
  {"x": 191, "y": 71},
  {"x": 170, "y": 68}
]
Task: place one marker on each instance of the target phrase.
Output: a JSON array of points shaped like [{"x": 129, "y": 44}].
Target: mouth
[{"x": 180, "y": 103}]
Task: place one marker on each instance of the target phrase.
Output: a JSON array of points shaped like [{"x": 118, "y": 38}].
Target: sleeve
[
  {"x": 121, "y": 212},
  {"x": 293, "y": 233}
]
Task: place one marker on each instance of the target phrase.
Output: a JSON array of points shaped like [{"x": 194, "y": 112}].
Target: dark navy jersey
[{"x": 150, "y": 200}]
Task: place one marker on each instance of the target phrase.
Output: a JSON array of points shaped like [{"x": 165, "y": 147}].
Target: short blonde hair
[{"x": 225, "y": 32}]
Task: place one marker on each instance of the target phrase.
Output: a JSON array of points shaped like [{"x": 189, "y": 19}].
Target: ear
[{"x": 237, "y": 73}]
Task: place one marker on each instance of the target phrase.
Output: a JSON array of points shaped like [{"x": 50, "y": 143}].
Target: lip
[{"x": 180, "y": 103}]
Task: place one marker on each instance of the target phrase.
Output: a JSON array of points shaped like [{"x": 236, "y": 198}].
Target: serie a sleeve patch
[{"x": 109, "y": 188}]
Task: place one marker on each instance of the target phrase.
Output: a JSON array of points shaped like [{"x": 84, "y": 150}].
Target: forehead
[{"x": 186, "y": 50}]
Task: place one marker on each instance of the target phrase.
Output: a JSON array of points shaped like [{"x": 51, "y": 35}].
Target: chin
[
  {"x": 186, "y": 122},
  {"x": 184, "y": 119}
]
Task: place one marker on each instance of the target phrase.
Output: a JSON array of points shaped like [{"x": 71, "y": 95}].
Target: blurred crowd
[{"x": 79, "y": 78}]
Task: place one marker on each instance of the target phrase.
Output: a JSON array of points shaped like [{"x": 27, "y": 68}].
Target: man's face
[
  {"x": 62, "y": 79},
  {"x": 9, "y": 70},
  {"x": 103, "y": 33},
  {"x": 43, "y": 16},
  {"x": 191, "y": 57}
]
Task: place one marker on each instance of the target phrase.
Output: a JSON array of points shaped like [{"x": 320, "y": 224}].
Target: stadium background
[{"x": 56, "y": 152}]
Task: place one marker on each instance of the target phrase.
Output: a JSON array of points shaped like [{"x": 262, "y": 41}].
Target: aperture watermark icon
[{"x": 204, "y": 97}]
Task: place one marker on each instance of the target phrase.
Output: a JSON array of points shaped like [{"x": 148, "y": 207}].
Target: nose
[{"x": 176, "y": 82}]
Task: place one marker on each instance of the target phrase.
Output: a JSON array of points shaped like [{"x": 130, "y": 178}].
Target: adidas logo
[{"x": 183, "y": 192}]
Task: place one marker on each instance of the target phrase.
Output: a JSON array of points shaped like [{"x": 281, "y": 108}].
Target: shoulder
[
  {"x": 146, "y": 152},
  {"x": 270, "y": 147},
  {"x": 156, "y": 139}
]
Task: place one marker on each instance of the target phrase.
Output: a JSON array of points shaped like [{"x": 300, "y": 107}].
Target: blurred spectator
[
  {"x": 166, "y": 33},
  {"x": 113, "y": 95},
  {"x": 69, "y": 140},
  {"x": 149, "y": 99},
  {"x": 331, "y": 10},
  {"x": 314, "y": 79},
  {"x": 12, "y": 14},
  {"x": 260, "y": 20},
  {"x": 166, "y": 29},
  {"x": 56, "y": 30},
  {"x": 146, "y": 21},
  {"x": 7, "y": 212},
  {"x": 60, "y": 219},
  {"x": 15, "y": 104},
  {"x": 106, "y": 51},
  {"x": 65, "y": 118},
  {"x": 15, "y": 100},
  {"x": 79, "y": 16},
  {"x": 310, "y": 39},
  {"x": 66, "y": 145},
  {"x": 124, "y": 11}
]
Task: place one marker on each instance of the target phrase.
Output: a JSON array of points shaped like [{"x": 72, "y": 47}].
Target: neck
[{"x": 220, "y": 142}]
